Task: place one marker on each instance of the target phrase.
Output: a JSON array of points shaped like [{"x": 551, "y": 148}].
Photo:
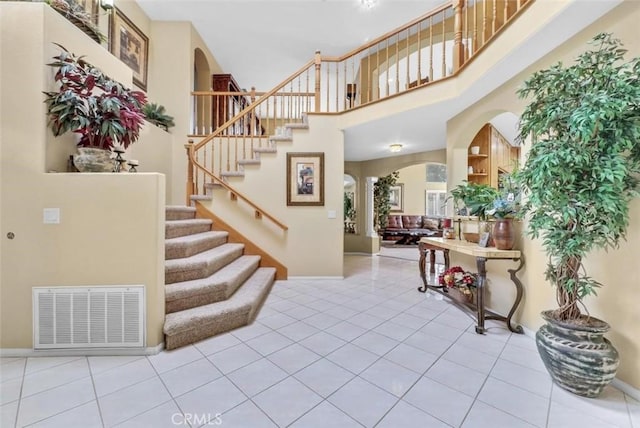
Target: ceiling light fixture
[
  {"x": 369, "y": 4},
  {"x": 395, "y": 147}
]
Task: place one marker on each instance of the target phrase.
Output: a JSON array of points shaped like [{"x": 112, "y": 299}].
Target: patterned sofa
[{"x": 410, "y": 228}]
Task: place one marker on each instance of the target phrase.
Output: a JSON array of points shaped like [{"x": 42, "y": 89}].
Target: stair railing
[
  {"x": 432, "y": 47},
  {"x": 251, "y": 131}
]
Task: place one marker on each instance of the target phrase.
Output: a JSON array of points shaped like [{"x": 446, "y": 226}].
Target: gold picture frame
[
  {"x": 305, "y": 179},
  {"x": 396, "y": 198},
  {"x": 130, "y": 45}
]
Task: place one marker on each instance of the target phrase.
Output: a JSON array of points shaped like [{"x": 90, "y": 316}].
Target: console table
[{"x": 481, "y": 254}]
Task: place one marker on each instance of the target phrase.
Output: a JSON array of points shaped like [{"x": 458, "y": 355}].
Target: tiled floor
[{"x": 365, "y": 351}]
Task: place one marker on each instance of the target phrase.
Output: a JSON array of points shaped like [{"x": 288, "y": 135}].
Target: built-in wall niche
[
  {"x": 490, "y": 154},
  {"x": 350, "y": 210}
]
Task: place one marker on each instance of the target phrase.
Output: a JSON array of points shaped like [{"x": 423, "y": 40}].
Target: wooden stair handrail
[
  {"x": 259, "y": 212},
  {"x": 385, "y": 36},
  {"x": 252, "y": 107}
]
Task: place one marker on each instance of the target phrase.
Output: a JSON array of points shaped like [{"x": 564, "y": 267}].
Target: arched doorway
[{"x": 201, "y": 117}]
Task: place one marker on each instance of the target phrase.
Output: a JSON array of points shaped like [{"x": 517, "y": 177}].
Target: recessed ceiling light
[
  {"x": 368, "y": 4},
  {"x": 395, "y": 147}
]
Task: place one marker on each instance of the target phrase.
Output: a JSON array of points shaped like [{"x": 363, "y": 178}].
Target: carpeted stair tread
[
  {"x": 201, "y": 265},
  {"x": 265, "y": 150},
  {"x": 217, "y": 287},
  {"x": 297, "y": 125},
  {"x": 232, "y": 174},
  {"x": 188, "y": 245},
  {"x": 201, "y": 198},
  {"x": 281, "y": 138},
  {"x": 188, "y": 326},
  {"x": 179, "y": 212},
  {"x": 176, "y": 228},
  {"x": 249, "y": 162}
]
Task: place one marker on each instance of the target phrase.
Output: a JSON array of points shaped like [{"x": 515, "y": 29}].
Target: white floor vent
[{"x": 88, "y": 317}]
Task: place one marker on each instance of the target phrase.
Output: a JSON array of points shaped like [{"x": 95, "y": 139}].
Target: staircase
[{"x": 210, "y": 286}]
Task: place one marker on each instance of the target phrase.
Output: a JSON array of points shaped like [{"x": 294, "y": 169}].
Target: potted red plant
[{"x": 100, "y": 110}]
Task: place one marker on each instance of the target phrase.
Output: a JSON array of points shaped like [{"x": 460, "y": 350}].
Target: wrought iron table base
[{"x": 481, "y": 313}]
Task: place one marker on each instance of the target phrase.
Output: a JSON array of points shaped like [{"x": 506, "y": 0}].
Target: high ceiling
[{"x": 262, "y": 42}]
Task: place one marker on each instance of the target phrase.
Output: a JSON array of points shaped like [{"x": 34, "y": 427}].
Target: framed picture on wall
[
  {"x": 131, "y": 46},
  {"x": 305, "y": 179},
  {"x": 396, "y": 198}
]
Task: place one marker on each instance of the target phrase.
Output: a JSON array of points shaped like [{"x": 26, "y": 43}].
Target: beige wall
[
  {"x": 153, "y": 151},
  {"x": 111, "y": 225},
  {"x": 313, "y": 244},
  {"x": 415, "y": 183},
  {"x": 618, "y": 269},
  {"x": 360, "y": 243}
]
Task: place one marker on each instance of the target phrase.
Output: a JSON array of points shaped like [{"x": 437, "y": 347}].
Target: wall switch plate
[
  {"x": 331, "y": 213},
  {"x": 51, "y": 216}
]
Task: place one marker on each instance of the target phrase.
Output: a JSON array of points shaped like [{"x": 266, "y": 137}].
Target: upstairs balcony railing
[{"x": 430, "y": 48}]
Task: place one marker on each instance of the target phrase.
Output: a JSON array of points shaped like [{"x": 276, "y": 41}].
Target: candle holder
[{"x": 119, "y": 160}]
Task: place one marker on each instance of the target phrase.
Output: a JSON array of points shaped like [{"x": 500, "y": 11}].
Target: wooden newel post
[
  {"x": 318, "y": 64},
  {"x": 458, "y": 47},
  {"x": 190, "y": 189}
]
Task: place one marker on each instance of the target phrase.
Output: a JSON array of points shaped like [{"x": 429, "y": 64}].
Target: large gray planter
[{"x": 579, "y": 358}]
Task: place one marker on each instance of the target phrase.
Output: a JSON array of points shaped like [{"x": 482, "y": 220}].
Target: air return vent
[{"x": 88, "y": 317}]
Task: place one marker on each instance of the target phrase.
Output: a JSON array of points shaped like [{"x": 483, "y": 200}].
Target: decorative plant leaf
[{"x": 91, "y": 104}]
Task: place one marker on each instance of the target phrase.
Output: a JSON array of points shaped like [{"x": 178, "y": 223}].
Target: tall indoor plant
[
  {"x": 580, "y": 175},
  {"x": 381, "y": 202},
  {"x": 100, "y": 110}
]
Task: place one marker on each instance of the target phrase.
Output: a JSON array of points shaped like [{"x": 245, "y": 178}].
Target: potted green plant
[
  {"x": 476, "y": 198},
  {"x": 76, "y": 13},
  {"x": 349, "y": 212},
  {"x": 100, "y": 110},
  {"x": 504, "y": 208},
  {"x": 381, "y": 202},
  {"x": 579, "y": 178},
  {"x": 155, "y": 114}
]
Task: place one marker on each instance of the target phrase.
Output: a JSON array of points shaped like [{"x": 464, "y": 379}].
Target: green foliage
[
  {"x": 381, "y": 203},
  {"x": 507, "y": 203},
  {"x": 477, "y": 198},
  {"x": 155, "y": 114},
  {"x": 102, "y": 111},
  {"x": 583, "y": 167},
  {"x": 349, "y": 206}
]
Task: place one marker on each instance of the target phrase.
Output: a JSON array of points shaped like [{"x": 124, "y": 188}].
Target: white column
[{"x": 370, "y": 230}]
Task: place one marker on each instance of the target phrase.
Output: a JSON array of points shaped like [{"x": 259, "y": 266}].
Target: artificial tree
[
  {"x": 579, "y": 178},
  {"x": 381, "y": 203},
  {"x": 582, "y": 169}
]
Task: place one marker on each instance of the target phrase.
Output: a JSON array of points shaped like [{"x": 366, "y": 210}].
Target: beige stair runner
[{"x": 210, "y": 286}]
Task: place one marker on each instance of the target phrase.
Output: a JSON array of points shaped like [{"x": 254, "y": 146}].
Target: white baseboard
[
  {"x": 28, "y": 352},
  {"x": 626, "y": 388},
  {"x": 295, "y": 278}
]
